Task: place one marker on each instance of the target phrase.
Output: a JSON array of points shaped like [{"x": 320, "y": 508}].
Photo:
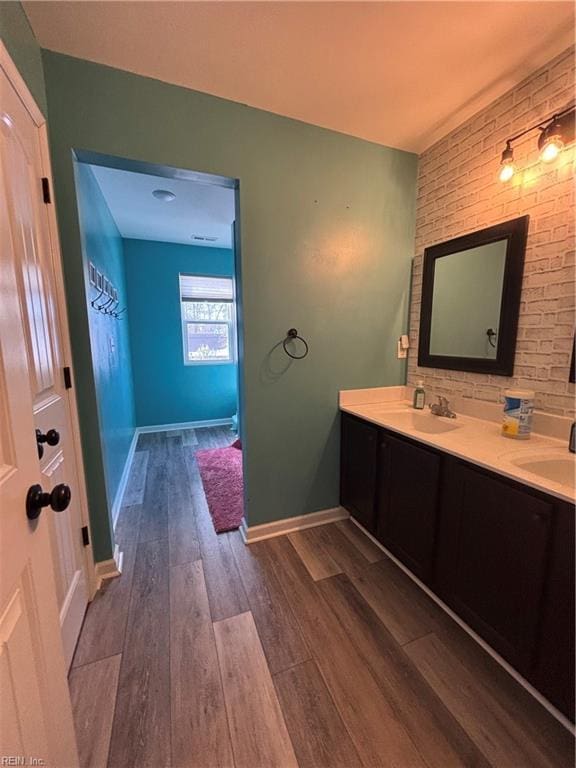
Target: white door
[
  {"x": 40, "y": 579},
  {"x": 28, "y": 223}
]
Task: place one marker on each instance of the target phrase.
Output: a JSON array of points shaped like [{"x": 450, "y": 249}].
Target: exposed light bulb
[
  {"x": 506, "y": 171},
  {"x": 507, "y": 164},
  {"x": 551, "y": 149}
]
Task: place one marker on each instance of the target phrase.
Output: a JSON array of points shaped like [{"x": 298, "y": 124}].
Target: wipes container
[{"x": 518, "y": 409}]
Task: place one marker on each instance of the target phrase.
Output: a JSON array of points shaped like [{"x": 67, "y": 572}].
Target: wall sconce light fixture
[
  {"x": 555, "y": 133},
  {"x": 507, "y": 163}
]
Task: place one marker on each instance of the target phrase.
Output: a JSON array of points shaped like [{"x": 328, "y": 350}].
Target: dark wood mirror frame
[{"x": 515, "y": 232}]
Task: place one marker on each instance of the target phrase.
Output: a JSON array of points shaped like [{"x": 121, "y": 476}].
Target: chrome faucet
[{"x": 442, "y": 408}]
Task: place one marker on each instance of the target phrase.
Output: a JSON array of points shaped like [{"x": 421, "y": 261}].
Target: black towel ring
[{"x": 290, "y": 336}]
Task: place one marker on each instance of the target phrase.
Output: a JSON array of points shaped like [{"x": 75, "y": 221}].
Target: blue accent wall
[
  {"x": 110, "y": 355},
  {"x": 166, "y": 391}
]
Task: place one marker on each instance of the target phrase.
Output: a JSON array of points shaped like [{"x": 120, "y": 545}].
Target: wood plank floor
[{"x": 311, "y": 650}]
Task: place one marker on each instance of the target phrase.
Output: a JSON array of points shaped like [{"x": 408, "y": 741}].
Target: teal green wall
[
  {"x": 17, "y": 36},
  {"x": 327, "y": 225},
  {"x": 166, "y": 391},
  {"x": 110, "y": 351}
]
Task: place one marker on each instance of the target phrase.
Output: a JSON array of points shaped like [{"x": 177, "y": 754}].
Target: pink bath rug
[{"x": 221, "y": 473}]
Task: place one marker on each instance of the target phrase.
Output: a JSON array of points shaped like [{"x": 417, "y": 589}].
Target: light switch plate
[{"x": 402, "y": 353}]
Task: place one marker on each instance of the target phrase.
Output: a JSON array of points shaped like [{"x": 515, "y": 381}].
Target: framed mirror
[{"x": 470, "y": 300}]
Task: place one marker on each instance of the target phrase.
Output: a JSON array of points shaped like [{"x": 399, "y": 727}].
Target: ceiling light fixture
[
  {"x": 555, "y": 133},
  {"x": 164, "y": 194}
]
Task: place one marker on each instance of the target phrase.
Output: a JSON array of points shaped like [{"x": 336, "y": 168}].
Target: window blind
[{"x": 198, "y": 288}]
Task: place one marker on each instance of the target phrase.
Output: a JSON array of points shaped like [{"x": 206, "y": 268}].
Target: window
[{"x": 208, "y": 330}]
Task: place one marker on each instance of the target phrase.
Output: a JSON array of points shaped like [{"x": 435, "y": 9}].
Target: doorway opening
[{"x": 162, "y": 291}]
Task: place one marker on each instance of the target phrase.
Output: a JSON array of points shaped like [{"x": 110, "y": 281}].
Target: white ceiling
[
  {"x": 401, "y": 74},
  {"x": 198, "y": 209}
]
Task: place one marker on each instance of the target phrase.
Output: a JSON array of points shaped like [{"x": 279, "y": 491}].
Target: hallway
[{"x": 310, "y": 650}]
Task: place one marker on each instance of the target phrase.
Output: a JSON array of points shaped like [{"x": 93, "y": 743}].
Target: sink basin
[
  {"x": 421, "y": 422},
  {"x": 557, "y": 468}
]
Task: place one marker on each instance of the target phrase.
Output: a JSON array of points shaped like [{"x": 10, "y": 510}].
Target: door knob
[
  {"x": 37, "y": 499},
  {"x": 52, "y": 437}
]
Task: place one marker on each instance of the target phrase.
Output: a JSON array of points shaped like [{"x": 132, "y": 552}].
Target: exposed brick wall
[{"x": 459, "y": 192}]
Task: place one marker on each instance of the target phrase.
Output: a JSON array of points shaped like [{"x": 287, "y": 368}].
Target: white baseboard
[
  {"x": 123, "y": 480},
  {"x": 482, "y": 643},
  {"x": 253, "y": 533},
  {"x": 184, "y": 425},
  {"x": 109, "y": 569}
]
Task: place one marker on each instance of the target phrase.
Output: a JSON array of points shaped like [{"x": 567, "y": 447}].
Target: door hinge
[
  {"x": 46, "y": 190},
  {"x": 67, "y": 378},
  {"x": 85, "y": 536}
]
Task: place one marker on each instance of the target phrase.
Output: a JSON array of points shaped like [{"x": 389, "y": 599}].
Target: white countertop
[{"x": 474, "y": 440}]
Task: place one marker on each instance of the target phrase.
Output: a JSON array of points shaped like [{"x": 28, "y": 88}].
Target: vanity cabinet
[
  {"x": 492, "y": 558},
  {"x": 553, "y": 673},
  {"x": 359, "y": 445},
  {"x": 407, "y": 501},
  {"x": 499, "y": 553}
]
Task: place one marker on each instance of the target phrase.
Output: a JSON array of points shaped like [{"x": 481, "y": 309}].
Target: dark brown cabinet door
[
  {"x": 554, "y": 670},
  {"x": 493, "y": 547},
  {"x": 358, "y": 469},
  {"x": 407, "y": 502}
]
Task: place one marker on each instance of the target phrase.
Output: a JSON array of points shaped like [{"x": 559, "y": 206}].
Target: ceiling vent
[{"x": 205, "y": 238}]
